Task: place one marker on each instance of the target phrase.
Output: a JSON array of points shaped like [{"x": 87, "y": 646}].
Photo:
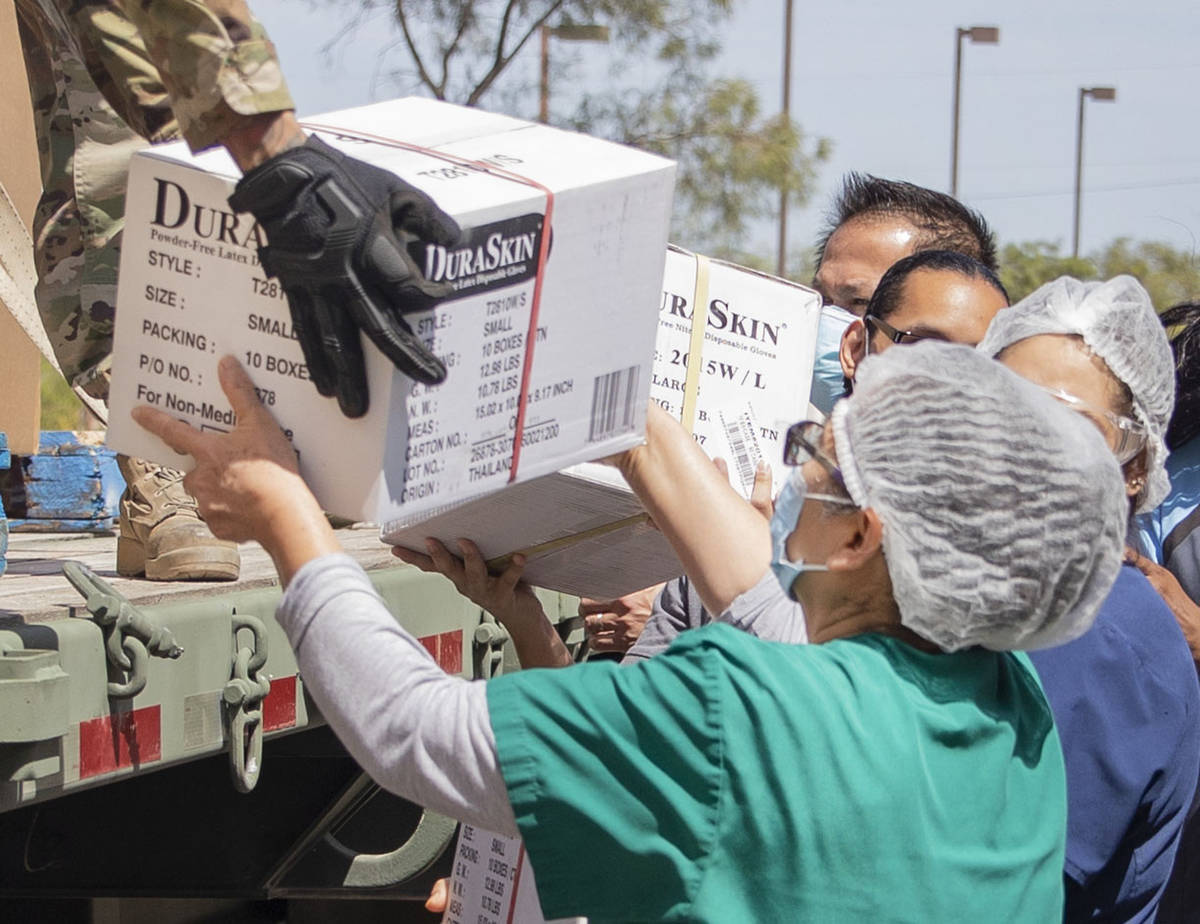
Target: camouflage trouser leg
[{"x": 76, "y": 297}]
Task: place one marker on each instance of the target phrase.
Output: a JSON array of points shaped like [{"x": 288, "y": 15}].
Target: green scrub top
[{"x": 731, "y": 779}]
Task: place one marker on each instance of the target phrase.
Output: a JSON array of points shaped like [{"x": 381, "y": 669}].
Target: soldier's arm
[
  {"x": 118, "y": 63},
  {"x": 221, "y": 73}
]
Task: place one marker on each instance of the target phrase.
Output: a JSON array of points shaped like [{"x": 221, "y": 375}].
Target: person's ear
[
  {"x": 1135, "y": 473},
  {"x": 853, "y": 347},
  {"x": 861, "y": 542}
]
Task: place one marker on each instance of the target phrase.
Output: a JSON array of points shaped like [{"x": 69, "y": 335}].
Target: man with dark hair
[
  {"x": 930, "y": 295},
  {"x": 875, "y": 222},
  {"x": 890, "y": 291}
]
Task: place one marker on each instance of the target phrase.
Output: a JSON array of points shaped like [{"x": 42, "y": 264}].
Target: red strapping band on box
[
  {"x": 482, "y": 167},
  {"x": 516, "y": 883}
]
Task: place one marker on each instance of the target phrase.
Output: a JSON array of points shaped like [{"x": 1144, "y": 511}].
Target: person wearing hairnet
[
  {"x": 905, "y": 767},
  {"x": 1169, "y": 535},
  {"x": 1124, "y": 695}
]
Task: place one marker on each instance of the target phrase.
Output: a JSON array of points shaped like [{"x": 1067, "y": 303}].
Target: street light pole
[
  {"x": 781, "y": 262},
  {"x": 1105, "y": 94},
  {"x": 568, "y": 32},
  {"x": 979, "y": 35}
]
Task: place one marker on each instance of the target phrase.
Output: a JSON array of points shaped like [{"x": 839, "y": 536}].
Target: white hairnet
[
  {"x": 1118, "y": 323},
  {"x": 1003, "y": 511}
]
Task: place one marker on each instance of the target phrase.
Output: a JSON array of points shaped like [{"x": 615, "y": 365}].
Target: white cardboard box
[
  {"x": 492, "y": 882},
  {"x": 582, "y": 530},
  {"x": 191, "y": 290}
]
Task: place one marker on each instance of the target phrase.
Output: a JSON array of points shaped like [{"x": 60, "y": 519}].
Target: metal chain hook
[
  {"x": 131, "y": 636},
  {"x": 244, "y": 694}
]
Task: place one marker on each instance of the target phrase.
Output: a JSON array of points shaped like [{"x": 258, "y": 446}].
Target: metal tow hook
[
  {"x": 489, "y": 639},
  {"x": 130, "y": 636},
  {"x": 244, "y": 695}
]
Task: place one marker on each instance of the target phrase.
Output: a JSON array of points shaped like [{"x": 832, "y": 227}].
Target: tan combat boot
[{"x": 162, "y": 535}]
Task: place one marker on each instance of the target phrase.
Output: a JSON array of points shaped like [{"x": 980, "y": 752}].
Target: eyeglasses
[
  {"x": 1130, "y": 435},
  {"x": 803, "y": 442},
  {"x": 897, "y": 336}
]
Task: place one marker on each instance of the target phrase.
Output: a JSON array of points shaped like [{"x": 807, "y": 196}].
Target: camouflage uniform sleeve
[
  {"x": 117, "y": 62},
  {"x": 215, "y": 60}
]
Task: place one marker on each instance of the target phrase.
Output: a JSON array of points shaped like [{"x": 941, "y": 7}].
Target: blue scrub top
[
  {"x": 1127, "y": 706},
  {"x": 1169, "y": 534}
]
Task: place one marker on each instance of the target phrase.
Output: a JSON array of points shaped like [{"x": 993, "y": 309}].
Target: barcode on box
[
  {"x": 746, "y": 451},
  {"x": 614, "y": 398}
]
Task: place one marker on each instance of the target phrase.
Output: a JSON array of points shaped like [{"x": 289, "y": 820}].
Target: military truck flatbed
[
  {"x": 35, "y": 589},
  {"x": 144, "y": 707}
]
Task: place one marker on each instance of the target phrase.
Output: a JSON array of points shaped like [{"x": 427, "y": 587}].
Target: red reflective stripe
[
  {"x": 484, "y": 167},
  {"x": 446, "y": 649},
  {"x": 279, "y": 708},
  {"x": 124, "y": 739}
]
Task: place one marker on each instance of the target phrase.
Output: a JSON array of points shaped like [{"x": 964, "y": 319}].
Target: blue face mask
[
  {"x": 788, "y": 506},
  {"x": 828, "y": 380}
]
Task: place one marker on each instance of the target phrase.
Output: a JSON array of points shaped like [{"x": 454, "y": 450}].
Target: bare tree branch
[
  {"x": 438, "y": 90},
  {"x": 464, "y": 20},
  {"x": 501, "y": 60}
]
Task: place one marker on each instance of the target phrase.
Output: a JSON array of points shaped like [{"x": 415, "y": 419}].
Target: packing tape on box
[
  {"x": 691, "y": 382},
  {"x": 500, "y": 172},
  {"x": 691, "y": 391}
]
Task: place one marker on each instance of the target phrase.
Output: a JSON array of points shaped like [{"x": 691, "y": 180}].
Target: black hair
[
  {"x": 1185, "y": 344},
  {"x": 886, "y": 298},
  {"x": 942, "y": 222}
]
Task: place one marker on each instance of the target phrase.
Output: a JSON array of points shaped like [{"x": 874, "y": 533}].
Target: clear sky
[{"x": 876, "y": 79}]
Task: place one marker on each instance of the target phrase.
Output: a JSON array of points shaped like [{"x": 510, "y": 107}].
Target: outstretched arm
[
  {"x": 723, "y": 542},
  {"x": 505, "y": 596},
  {"x": 217, "y": 64},
  {"x": 419, "y": 732}
]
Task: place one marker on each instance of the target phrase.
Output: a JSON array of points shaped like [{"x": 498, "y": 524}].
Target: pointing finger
[
  {"x": 181, "y": 437},
  {"x": 238, "y": 387}
]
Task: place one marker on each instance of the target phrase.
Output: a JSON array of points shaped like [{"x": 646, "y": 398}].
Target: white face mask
[{"x": 788, "y": 506}]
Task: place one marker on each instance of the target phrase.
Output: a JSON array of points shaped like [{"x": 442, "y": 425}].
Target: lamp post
[
  {"x": 1104, "y": 94},
  {"x": 780, "y": 263},
  {"x": 979, "y": 35},
  {"x": 566, "y": 33}
]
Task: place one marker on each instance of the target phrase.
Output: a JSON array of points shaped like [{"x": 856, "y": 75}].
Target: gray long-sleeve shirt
[
  {"x": 763, "y": 611},
  {"x": 418, "y": 732}
]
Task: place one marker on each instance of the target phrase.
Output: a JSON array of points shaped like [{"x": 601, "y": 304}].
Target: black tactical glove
[{"x": 337, "y": 232}]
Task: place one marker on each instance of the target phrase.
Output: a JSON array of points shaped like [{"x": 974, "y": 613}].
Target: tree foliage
[
  {"x": 1170, "y": 275},
  {"x": 733, "y": 160},
  {"x": 658, "y": 95}
]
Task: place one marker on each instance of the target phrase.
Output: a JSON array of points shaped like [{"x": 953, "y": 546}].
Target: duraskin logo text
[
  {"x": 498, "y": 254},
  {"x": 174, "y": 209},
  {"x": 722, "y": 317}
]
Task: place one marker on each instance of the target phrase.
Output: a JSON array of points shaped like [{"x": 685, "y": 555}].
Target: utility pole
[{"x": 1104, "y": 94}]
